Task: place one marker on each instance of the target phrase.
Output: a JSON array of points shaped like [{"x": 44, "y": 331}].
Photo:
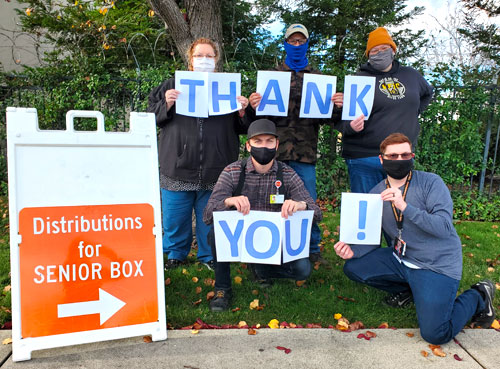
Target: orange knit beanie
[{"x": 379, "y": 36}]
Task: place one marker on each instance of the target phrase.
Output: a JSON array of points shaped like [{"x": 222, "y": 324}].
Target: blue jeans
[
  {"x": 441, "y": 315},
  {"x": 298, "y": 269},
  {"x": 307, "y": 172},
  {"x": 177, "y": 208},
  {"x": 365, "y": 173}
]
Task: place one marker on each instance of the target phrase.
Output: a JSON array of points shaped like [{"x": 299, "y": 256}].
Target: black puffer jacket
[{"x": 194, "y": 149}]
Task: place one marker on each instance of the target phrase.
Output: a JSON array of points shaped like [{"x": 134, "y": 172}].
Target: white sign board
[
  {"x": 316, "y": 100},
  {"x": 274, "y": 87},
  {"x": 193, "y": 98},
  {"x": 223, "y": 90},
  {"x": 360, "y": 218},
  {"x": 359, "y": 92},
  {"x": 85, "y": 232},
  {"x": 262, "y": 237}
]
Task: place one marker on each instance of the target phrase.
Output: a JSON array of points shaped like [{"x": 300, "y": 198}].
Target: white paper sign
[
  {"x": 317, "y": 92},
  {"x": 360, "y": 218},
  {"x": 193, "y": 98},
  {"x": 274, "y": 87},
  {"x": 262, "y": 237},
  {"x": 223, "y": 88},
  {"x": 297, "y": 235},
  {"x": 359, "y": 92}
]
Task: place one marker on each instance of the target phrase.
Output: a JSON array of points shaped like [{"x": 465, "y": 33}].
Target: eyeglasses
[
  {"x": 404, "y": 156},
  {"x": 296, "y": 41},
  {"x": 377, "y": 49},
  {"x": 204, "y": 56}
]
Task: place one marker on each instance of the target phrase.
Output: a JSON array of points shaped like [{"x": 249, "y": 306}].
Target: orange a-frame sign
[{"x": 85, "y": 233}]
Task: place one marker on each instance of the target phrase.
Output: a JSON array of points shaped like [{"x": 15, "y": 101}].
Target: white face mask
[{"x": 204, "y": 64}]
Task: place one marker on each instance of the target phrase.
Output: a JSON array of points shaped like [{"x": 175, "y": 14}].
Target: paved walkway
[{"x": 234, "y": 348}]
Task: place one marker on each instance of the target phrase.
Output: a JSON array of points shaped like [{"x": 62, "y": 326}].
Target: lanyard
[{"x": 398, "y": 215}]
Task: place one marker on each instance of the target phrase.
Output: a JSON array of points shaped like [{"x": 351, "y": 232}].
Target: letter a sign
[{"x": 85, "y": 235}]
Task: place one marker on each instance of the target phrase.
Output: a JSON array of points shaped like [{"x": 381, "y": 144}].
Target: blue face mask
[{"x": 296, "y": 56}]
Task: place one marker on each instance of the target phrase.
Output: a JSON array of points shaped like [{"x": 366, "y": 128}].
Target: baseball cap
[
  {"x": 261, "y": 127},
  {"x": 297, "y": 27}
]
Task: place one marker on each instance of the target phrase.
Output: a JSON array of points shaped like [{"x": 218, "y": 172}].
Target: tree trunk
[{"x": 202, "y": 18}]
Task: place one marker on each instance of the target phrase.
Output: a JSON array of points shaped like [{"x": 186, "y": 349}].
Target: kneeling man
[
  {"x": 424, "y": 262},
  {"x": 248, "y": 185}
]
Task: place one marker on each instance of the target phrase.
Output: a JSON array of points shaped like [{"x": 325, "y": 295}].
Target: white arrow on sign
[{"x": 106, "y": 306}]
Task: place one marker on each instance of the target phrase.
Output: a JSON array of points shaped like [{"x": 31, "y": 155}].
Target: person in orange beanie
[{"x": 401, "y": 94}]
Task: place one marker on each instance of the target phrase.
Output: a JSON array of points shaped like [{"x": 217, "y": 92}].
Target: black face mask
[
  {"x": 397, "y": 169},
  {"x": 263, "y": 155}
]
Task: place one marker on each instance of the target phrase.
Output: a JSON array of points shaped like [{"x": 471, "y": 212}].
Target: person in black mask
[
  {"x": 258, "y": 183},
  {"x": 424, "y": 261},
  {"x": 299, "y": 136},
  {"x": 401, "y": 94}
]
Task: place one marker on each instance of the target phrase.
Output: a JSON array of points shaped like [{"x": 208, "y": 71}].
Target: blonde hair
[{"x": 201, "y": 41}]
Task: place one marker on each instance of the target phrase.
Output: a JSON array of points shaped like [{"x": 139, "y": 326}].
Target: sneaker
[
  {"x": 399, "y": 300},
  {"x": 173, "y": 263},
  {"x": 317, "y": 258},
  {"x": 486, "y": 317},
  {"x": 262, "y": 282},
  {"x": 209, "y": 264},
  {"x": 221, "y": 301}
]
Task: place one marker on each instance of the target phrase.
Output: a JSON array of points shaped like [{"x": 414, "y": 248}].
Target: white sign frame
[
  {"x": 321, "y": 82},
  {"x": 363, "y": 81},
  {"x": 23, "y": 132}
]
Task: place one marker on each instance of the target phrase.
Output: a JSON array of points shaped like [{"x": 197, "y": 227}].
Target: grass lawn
[{"x": 325, "y": 293}]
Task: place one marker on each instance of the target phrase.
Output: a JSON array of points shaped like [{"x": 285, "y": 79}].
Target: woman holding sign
[
  {"x": 192, "y": 153},
  {"x": 401, "y": 94}
]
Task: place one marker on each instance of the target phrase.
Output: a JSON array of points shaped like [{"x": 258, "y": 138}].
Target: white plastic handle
[{"x": 72, "y": 114}]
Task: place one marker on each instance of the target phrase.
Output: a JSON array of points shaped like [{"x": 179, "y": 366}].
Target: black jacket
[
  {"x": 401, "y": 94},
  {"x": 194, "y": 149}
]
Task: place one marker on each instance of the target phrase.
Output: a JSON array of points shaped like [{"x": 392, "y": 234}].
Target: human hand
[
  {"x": 244, "y": 103},
  {"x": 289, "y": 207},
  {"x": 338, "y": 99},
  {"x": 343, "y": 250},
  {"x": 358, "y": 124},
  {"x": 394, "y": 194},
  {"x": 255, "y": 99},
  {"x": 170, "y": 97},
  {"x": 241, "y": 204}
]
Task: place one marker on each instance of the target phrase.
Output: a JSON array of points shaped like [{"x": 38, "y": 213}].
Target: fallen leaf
[
  {"x": 494, "y": 226},
  {"x": 235, "y": 309},
  {"x": 293, "y": 325},
  {"x": 237, "y": 279},
  {"x": 384, "y": 325},
  {"x": 255, "y": 292},
  {"x": 361, "y": 335},
  {"x": 210, "y": 295},
  {"x": 497, "y": 286},
  {"x": 326, "y": 233},
  {"x": 469, "y": 254},
  {"x": 195, "y": 331},
  {"x": 257, "y": 325},
  {"x": 184, "y": 271},
  {"x": 321, "y": 281},
  {"x": 436, "y": 350},
  {"x": 197, "y": 302},
  {"x": 316, "y": 265},
  {"x": 424, "y": 353},
  {"x": 467, "y": 237},
  {"x": 242, "y": 323},
  {"x": 274, "y": 324},
  {"x": 195, "y": 279},
  {"x": 147, "y": 339},
  {"x": 6, "y": 288},
  {"x": 332, "y": 288},
  {"x": 287, "y": 350},
  {"x": 7, "y": 341},
  {"x": 456, "y": 357},
  {"x": 252, "y": 332},
  {"x": 300, "y": 283},
  {"x": 370, "y": 334},
  {"x": 198, "y": 289},
  {"x": 208, "y": 281},
  {"x": 409, "y": 334},
  {"x": 337, "y": 316},
  {"x": 254, "y": 304},
  {"x": 356, "y": 325},
  {"x": 491, "y": 270},
  {"x": 168, "y": 281},
  {"x": 495, "y": 324},
  {"x": 477, "y": 275}
]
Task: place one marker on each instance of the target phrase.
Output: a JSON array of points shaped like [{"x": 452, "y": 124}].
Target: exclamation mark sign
[{"x": 362, "y": 219}]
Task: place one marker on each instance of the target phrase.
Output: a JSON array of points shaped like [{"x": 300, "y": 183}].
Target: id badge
[
  {"x": 277, "y": 199},
  {"x": 399, "y": 246}
]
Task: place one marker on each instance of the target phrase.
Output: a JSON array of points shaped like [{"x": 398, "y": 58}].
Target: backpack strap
[{"x": 241, "y": 180}]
